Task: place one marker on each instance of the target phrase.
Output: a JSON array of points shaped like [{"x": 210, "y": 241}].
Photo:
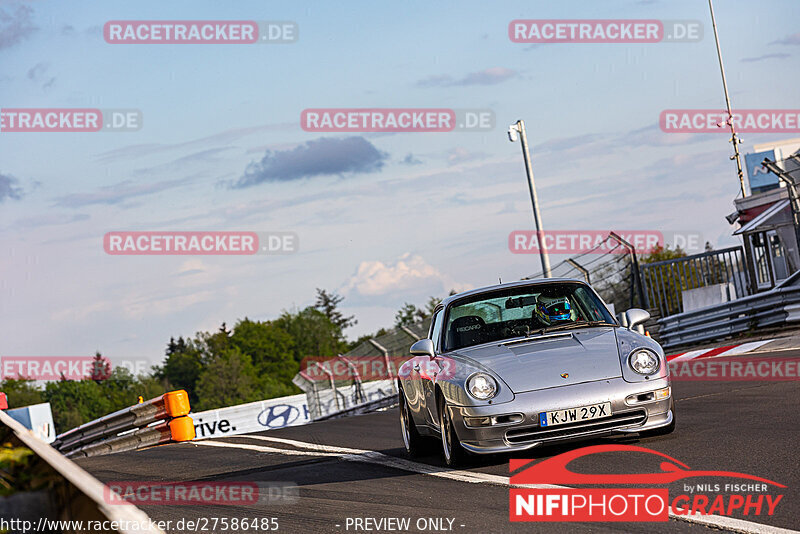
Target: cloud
[
  {"x": 9, "y": 187},
  {"x": 764, "y": 57},
  {"x": 228, "y": 136},
  {"x": 410, "y": 159},
  {"x": 408, "y": 272},
  {"x": 117, "y": 193},
  {"x": 50, "y": 219},
  {"x": 462, "y": 155},
  {"x": 793, "y": 39},
  {"x": 15, "y": 25},
  {"x": 38, "y": 72},
  {"x": 490, "y": 76},
  {"x": 204, "y": 158},
  {"x": 319, "y": 157}
]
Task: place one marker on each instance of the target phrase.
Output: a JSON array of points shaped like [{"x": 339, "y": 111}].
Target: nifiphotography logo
[{"x": 537, "y": 495}]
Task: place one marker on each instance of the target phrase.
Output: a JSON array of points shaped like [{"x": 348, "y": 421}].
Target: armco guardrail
[
  {"x": 771, "y": 308},
  {"x": 71, "y": 498},
  {"x": 159, "y": 420}
]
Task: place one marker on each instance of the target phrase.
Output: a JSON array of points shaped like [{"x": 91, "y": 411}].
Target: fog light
[
  {"x": 662, "y": 394},
  {"x": 491, "y": 420},
  {"x": 478, "y": 421},
  {"x": 650, "y": 396}
]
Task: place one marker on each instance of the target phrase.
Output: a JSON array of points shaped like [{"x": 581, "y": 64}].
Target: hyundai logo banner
[
  {"x": 277, "y": 413},
  {"x": 760, "y": 178}
]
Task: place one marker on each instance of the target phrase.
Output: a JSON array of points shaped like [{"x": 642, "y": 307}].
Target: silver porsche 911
[{"x": 516, "y": 365}]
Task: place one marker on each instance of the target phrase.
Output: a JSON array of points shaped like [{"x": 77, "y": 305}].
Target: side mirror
[
  {"x": 423, "y": 347},
  {"x": 636, "y": 316}
]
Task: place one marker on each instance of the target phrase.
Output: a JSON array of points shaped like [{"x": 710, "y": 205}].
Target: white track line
[{"x": 374, "y": 457}]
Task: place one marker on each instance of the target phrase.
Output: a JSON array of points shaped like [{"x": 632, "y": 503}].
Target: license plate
[{"x": 574, "y": 415}]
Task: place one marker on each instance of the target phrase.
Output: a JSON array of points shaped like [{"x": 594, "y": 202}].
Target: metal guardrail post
[
  {"x": 584, "y": 271},
  {"x": 332, "y": 380},
  {"x": 358, "y": 394},
  {"x": 387, "y": 360},
  {"x": 635, "y": 268},
  {"x": 408, "y": 331}
]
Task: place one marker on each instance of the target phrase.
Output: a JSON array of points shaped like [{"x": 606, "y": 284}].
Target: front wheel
[
  {"x": 454, "y": 453},
  {"x": 411, "y": 437}
]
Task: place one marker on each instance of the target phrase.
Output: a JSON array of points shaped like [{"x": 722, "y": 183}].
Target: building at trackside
[{"x": 765, "y": 218}]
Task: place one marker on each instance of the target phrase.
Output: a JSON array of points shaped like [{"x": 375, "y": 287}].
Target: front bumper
[{"x": 525, "y": 434}]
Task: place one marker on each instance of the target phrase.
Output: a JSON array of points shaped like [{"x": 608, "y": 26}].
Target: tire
[
  {"x": 413, "y": 441},
  {"x": 452, "y": 451},
  {"x": 664, "y": 430}
]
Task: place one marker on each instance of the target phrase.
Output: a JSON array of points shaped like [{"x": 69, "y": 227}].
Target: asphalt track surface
[{"x": 357, "y": 468}]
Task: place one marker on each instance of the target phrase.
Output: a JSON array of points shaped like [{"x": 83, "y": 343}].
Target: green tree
[
  {"x": 228, "y": 379},
  {"x": 182, "y": 366},
  {"x": 665, "y": 253},
  {"x": 21, "y": 392},
  {"x": 313, "y": 333},
  {"x": 269, "y": 347},
  {"x": 408, "y": 314},
  {"x": 328, "y": 303},
  {"x": 74, "y": 402},
  {"x": 362, "y": 339}
]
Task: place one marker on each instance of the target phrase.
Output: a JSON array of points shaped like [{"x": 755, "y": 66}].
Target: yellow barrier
[
  {"x": 177, "y": 403},
  {"x": 182, "y": 428}
]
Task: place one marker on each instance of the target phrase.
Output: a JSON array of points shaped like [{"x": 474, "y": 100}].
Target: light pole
[
  {"x": 513, "y": 130},
  {"x": 734, "y": 139}
]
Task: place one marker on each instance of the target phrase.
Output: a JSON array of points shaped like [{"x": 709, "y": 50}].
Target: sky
[{"x": 381, "y": 218}]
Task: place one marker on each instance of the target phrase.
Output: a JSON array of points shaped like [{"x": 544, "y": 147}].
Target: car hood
[{"x": 551, "y": 360}]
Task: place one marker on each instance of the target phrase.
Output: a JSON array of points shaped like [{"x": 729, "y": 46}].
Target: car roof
[{"x": 508, "y": 285}]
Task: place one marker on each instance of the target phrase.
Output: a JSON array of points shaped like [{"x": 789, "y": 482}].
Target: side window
[{"x": 436, "y": 330}]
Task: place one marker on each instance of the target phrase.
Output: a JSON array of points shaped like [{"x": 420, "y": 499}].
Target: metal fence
[
  {"x": 344, "y": 392},
  {"x": 771, "y": 308},
  {"x": 665, "y": 281}
]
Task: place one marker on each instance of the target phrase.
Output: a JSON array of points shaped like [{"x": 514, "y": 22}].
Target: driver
[{"x": 552, "y": 310}]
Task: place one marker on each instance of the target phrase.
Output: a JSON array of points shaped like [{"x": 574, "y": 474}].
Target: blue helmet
[{"x": 553, "y": 309}]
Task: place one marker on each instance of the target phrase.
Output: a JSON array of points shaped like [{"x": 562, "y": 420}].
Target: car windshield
[{"x": 522, "y": 311}]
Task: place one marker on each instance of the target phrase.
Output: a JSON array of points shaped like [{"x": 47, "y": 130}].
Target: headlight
[
  {"x": 482, "y": 386},
  {"x": 644, "y": 362}
]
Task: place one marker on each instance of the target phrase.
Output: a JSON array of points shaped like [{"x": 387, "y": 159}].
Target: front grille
[{"x": 536, "y": 433}]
